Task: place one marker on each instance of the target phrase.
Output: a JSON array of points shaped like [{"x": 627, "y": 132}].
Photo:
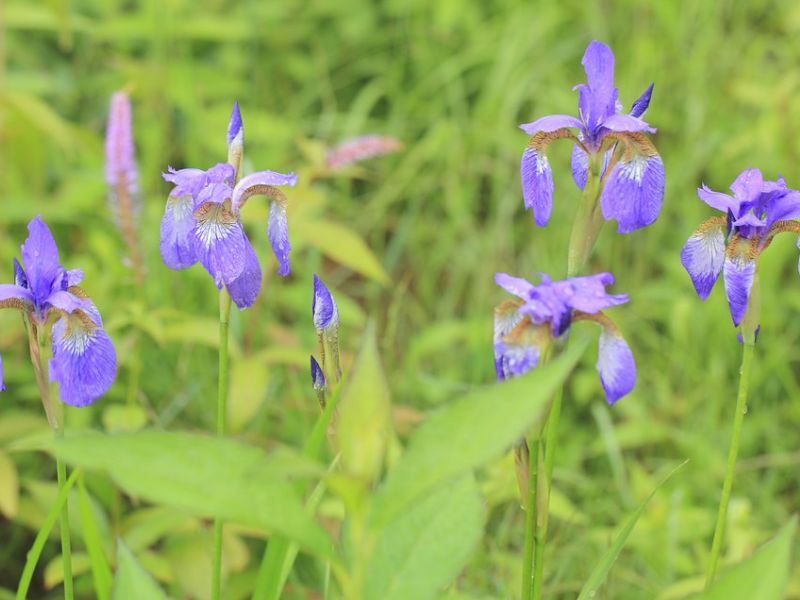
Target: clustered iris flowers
[
  {"x": 84, "y": 361},
  {"x": 525, "y": 329},
  {"x": 202, "y": 222},
  {"x": 731, "y": 243},
  {"x": 608, "y": 143}
]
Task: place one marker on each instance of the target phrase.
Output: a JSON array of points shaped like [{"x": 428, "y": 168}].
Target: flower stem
[
  {"x": 544, "y": 482},
  {"x": 66, "y": 546},
  {"x": 733, "y": 452},
  {"x": 531, "y": 449},
  {"x": 222, "y": 400},
  {"x": 39, "y": 344}
]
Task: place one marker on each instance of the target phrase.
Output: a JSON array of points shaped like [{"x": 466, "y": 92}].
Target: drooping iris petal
[
  {"x": 40, "y": 257},
  {"x": 537, "y": 185},
  {"x": 550, "y": 123},
  {"x": 259, "y": 183},
  {"x": 587, "y": 294},
  {"x": 616, "y": 365},
  {"x": 14, "y": 296},
  {"x": 642, "y": 102},
  {"x": 703, "y": 255},
  {"x": 245, "y": 288},
  {"x": 748, "y": 185},
  {"x": 84, "y": 361},
  {"x": 579, "y": 161},
  {"x": 278, "y": 233},
  {"x": 798, "y": 260},
  {"x": 513, "y": 360},
  {"x": 738, "y": 271},
  {"x": 177, "y": 248},
  {"x": 219, "y": 242},
  {"x": 634, "y": 190},
  {"x": 514, "y": 285},
  {"x": 323, "y": 307}
]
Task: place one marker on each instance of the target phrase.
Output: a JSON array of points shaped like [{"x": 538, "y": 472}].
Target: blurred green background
[{"x": 412, "y": 240}]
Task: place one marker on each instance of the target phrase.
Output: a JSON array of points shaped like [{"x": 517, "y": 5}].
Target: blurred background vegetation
[{"x": 411, "y": 240}]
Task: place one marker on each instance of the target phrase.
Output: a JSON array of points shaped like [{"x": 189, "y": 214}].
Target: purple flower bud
[
  {"x": 317, "y": 376},
  {"x": 235, "y": 127},
  {"x": 323, "y": 307}
]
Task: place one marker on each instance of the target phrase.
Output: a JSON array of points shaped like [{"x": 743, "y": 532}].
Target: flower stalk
[
  {"x": 749, "y": 333},
  {"x": 39, "y": 344}
]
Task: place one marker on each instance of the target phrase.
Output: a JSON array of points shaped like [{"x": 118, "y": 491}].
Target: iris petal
[
  {"x": 177, "y": 225},
  {"x": 616, "y": 365},
  {"x": 278, "y": 233},
  {"x": 704, "y": 254},
  {"x": 580, "y": 166},
  {"x": 634, "y": 191},
  {"x": 550, "y": 123},
  {"x": 84, "y": 361},
  {"x": 738, "y": 272},
  {"x": 537, "y": 184},
  {"x": 40, "y": 257},
  {"x": 219, "y": 242},
  {"x": 245, "y": 288},
  {"x": 642, "y": 102}
]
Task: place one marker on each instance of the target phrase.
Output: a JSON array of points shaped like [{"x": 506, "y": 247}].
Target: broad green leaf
[
  {"x": 343, "y": 245},
  {"x": 600, "y": 571},
  {"x": 423, "y": 549},
  {"x": 124, "y": 417},
  {"x": 249, "y": 377},
  {"x": 763, "y": 575},
  {"x": 362, "y": 431},
  {"x": 132, "y": 582},
  {"x": 101, "y": 572},
  {"x": 9, "y": 487},
  {"x": 206, "y": 476},
  {"x": 470, "y": 431}
]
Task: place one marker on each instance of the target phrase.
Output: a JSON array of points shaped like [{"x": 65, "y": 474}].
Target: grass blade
[
  {"x": 600, "y": 572},
  {"x": 41, "y": 537}
]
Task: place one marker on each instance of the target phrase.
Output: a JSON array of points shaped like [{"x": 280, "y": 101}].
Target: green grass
[{"x": 451, "y": 80}]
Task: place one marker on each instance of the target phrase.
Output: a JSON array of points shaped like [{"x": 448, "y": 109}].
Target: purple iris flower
[
  {"x": 633, "y": 189},
  {"x": 524, "y": 329},
  {"x": 730, "y": 243},
  {"x": 84, "y": 361},
  {"x": 202, "y": 221}
]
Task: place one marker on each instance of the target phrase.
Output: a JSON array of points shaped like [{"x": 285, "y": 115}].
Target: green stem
[
  {"x": 222, "y": 400},
  {"x": 532, "y": 450},
  {"x": 66, "y": 549},
  {"x": 39, "y": 344},
  {"x": 544, "y": 484},
  {"x": 733, "y": 452}
]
